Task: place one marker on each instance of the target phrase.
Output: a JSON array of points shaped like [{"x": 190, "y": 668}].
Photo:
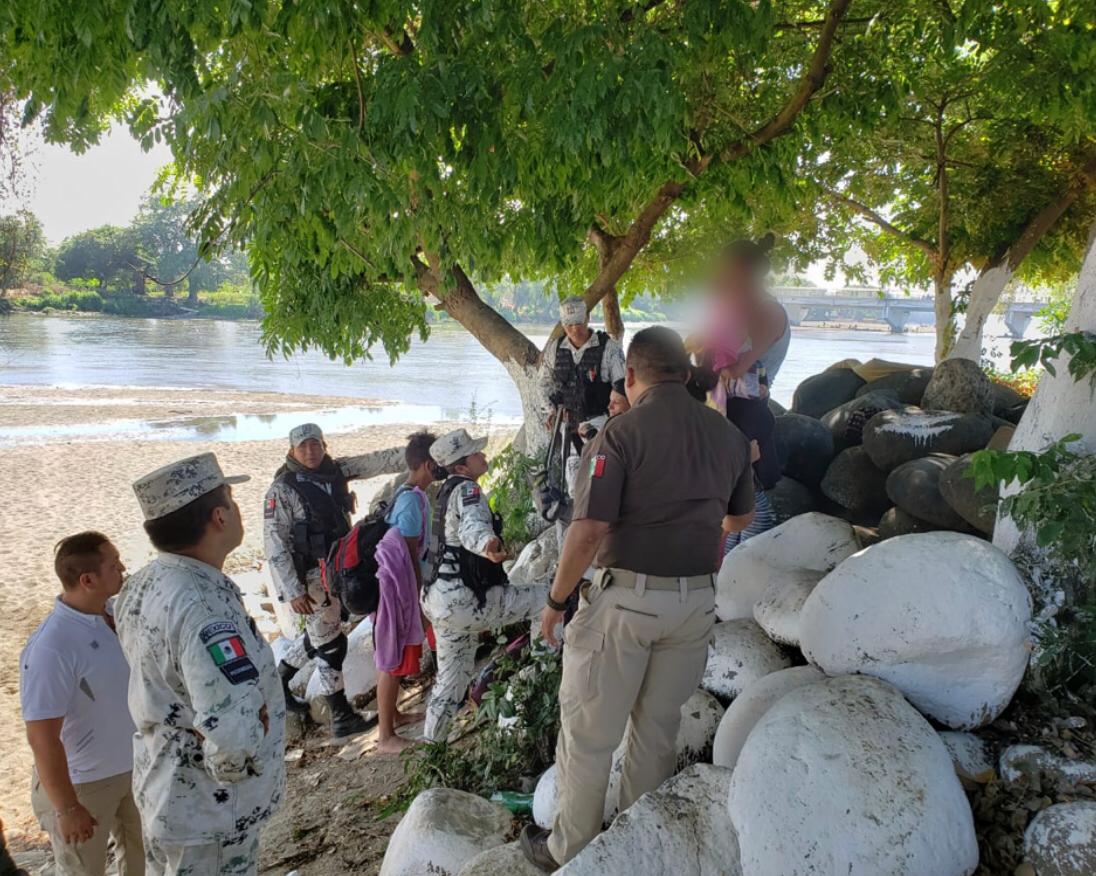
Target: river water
[{"x": 441, "y": 378}]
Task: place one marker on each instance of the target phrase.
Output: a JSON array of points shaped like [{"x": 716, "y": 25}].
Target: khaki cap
[
  {"x": 170, "y": 488},
  {"x": 455, "y": 445}
]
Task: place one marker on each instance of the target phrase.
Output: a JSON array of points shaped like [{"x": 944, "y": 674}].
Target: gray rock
[
  {"x": 915, "y": 488},
  {"x": 790, "y": 498},
  {"x": 1014, "y": 413},
  {"x": 777, "y": 409},
  {"x": 909, "y": 386},
  {"x": 897, "y": 522},
  {"x": 507, "y": 860},
  {"x": 894, "y": 437},
  {"x": 1034, "y": 761},
  {"x": 682, "y": 827},
  {"x": 1005, "y": 398},
  {"x": 1001, "y": 438},
  {"x": 805, "y": 447},
  {"x": 823, "y": 392},
  {"x": 970, "y": 754},
  {"x": 846, "y": 422},
  {"x": 976, "y": 507},
  {"x": 959, "y": 385},
  {"x": 1061, "y": 840},
  {"x": 856, "y": 484}
]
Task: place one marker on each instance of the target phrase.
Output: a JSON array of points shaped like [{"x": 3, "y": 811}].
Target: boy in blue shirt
[{"x": 410, "y": 514}]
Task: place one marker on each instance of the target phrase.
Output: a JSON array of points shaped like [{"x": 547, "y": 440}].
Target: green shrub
[
  {"x": 86, "y": 300},
  {"x": 510, "y": 486}
]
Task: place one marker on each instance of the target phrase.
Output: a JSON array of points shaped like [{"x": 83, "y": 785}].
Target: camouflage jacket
[
  {"x": 282, "y": 507},
  {"x": 206, "y": 699}
]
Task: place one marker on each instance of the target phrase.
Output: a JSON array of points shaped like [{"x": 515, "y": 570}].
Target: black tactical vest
[
  {"x": 328, "y": 518},
  {"x": 580, "y": 387},
  {"x": 477, "y": 573}
]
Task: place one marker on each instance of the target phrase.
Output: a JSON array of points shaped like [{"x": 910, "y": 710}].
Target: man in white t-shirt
[{"x": 73, "y": 682}]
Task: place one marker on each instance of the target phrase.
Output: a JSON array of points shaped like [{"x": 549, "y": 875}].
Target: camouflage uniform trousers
[
  {"x": 234, "y": 855},
  {"x": 458, "y": 620},
  {"x": 322, "y": 626}
]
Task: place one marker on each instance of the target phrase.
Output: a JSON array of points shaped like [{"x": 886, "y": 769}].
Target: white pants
[
  {"x": 458, "y": 619},
  {"x": 234, "y": 855},
  {"x": 322, "y": 626}
]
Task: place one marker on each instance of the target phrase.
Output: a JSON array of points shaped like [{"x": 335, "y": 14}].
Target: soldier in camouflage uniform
[
  {"x": 307, "y": 510},
  {"x": 204, "y": 692},
  {"x": 470, "y": 593}
]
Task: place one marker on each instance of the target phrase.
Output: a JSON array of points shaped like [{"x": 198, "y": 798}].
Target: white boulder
[
  {"x": 700, "y": 717},
  {"x": 844, "y": 776},
  {"x": 739, "y": 654},
  {"x": 507, "y": 860},
  {"x": 442, "y": 831},
  {"x": 969, "y": 754},
  {"x": 536, "y": 564},
  {"x": 940, "y": 615},
  {"x": 749, "y": 707},
  {"x": 812, "y": 541},
  {"x": 1035, "y": 762},
  {"x": 681, "y": 828},
  {"x": 1061, "y": 840},
  {"x": 777, "y": 611},
  {"x": 359, "y": 668}
]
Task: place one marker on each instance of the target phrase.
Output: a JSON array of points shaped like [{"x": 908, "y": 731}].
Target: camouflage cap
[
  {"x": 299, "y": 434},
  {"x": 572, "y": 311},
  {"x": 455, "y": 445},
  {"x": 170, "y": 488}
]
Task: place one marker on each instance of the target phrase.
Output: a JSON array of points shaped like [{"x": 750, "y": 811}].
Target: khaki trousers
[
  {"x": 629, "y": 652},
  {"x": 110, "y": 802}
]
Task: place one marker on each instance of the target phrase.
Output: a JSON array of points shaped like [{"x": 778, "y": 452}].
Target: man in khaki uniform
[{"x": 658, "y": 482}]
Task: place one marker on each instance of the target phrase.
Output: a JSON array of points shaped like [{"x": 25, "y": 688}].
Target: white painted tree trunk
[
  {"x": 1061, "y": 406},
  {"x": 983, "y": 298},
  {"x": 533, "y": 436}
]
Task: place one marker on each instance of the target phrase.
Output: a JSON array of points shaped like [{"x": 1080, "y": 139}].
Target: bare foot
[
  {"x": 394, "y": 745},
  {"x": 403, "y": 718}
]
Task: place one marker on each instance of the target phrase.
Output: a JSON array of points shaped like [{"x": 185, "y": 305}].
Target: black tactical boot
[
  {"x": 344, "y": 720},
  {"x": 292, "y": 704}
]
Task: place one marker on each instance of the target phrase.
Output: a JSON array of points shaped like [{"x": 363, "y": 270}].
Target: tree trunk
[
  {"x": 192, "y": 296},
  {"x": 945, "y": 321},
  {"x": 1061, "y": 405},
  {"x": 999, "y": 270},
  {"x": 169, "y": 291},
  {"x": 139, "y": 283},
  {"x": 983, "y": 298},
  {"x": 610, "y": 308}
]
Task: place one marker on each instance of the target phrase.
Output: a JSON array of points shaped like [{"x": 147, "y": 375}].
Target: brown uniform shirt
[{"x": 663, "y": 475}]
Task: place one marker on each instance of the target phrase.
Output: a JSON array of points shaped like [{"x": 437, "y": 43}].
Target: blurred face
[
  {"x": 737, "y": 278},
  {"x": 618, "y": 403},
  {"x": 577, "y": 334},
  {"x": 309, "y": 453},
  {"x": 108, "y": 580}
]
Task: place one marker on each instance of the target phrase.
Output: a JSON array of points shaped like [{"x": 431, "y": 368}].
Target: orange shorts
[{"x": 412, "y": 655}]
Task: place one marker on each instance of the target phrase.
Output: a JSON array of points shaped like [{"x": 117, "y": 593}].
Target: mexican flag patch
[
  {"x": 597, "y": 466},
  {"x": 227, "y": 650}
]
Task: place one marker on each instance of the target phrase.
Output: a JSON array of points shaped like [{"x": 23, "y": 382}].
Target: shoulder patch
[
  {"x": 226, "y": 649},
  {"x": 271, "y": 504},
  {"x": 470, "y": 494},
  {"x": 597, "y": 466}
]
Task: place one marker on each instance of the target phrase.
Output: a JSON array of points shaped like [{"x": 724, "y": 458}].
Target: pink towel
[{"x": 397, "y": 622}]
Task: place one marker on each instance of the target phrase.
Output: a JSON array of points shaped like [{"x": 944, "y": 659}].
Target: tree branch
[
  {"x": 812, "y": 81},
  {"x": 633, "y": 12},
  {"x": 876, "y": 219}
]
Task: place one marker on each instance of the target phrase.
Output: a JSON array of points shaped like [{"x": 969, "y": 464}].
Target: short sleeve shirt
[
  {"x": 73, "y": 668},
  {"x": 409, "y": 516},
  {"x": 663, "y": 475}
]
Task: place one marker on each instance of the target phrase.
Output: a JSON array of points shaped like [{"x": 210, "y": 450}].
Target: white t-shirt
[{"x": 74, "y": 668}]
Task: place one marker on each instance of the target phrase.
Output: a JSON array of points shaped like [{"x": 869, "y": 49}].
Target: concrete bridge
[{"x": 803, "y": 303}]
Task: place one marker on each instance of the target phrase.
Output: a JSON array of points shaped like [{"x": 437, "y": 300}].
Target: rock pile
[
  {"x": 843, "y": 440},
  {"x": 833, "y": 657}
]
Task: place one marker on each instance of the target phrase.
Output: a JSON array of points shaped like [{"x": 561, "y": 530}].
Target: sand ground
[{"x": 59, "y": 487}]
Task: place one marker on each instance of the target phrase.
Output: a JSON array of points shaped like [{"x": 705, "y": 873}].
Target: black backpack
[{"x": 350, "y": 570}]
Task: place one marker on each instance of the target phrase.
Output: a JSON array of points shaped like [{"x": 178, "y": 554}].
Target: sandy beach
[{"x": 58, "y": 486}]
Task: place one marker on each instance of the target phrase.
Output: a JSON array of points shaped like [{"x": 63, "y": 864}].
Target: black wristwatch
[{"x": 555, "y": 606}]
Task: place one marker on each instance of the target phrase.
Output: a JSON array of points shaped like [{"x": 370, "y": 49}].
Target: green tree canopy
[
  {"x": 370, "y": 153},
  {"x": 109, "y": 254},
  {"x": 983, "y": 155},
  {"x": 22, "y": 247}
]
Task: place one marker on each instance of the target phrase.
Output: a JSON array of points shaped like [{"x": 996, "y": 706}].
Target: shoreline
[{"x": 65, "y": 486}]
